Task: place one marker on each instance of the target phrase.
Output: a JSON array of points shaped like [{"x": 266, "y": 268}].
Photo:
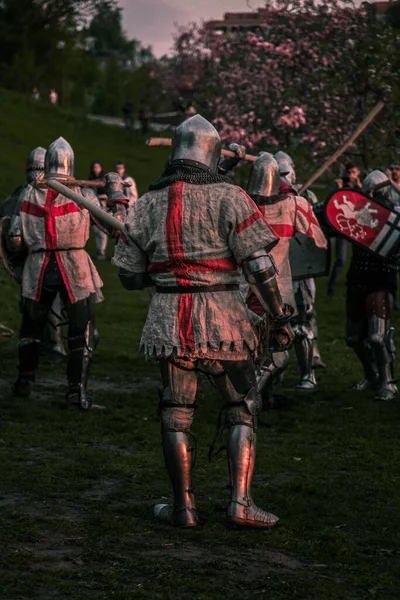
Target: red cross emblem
[{"x": 49, "y": 212}]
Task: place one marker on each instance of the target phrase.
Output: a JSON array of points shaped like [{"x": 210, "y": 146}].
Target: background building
[{"x": 234, "y": 21}]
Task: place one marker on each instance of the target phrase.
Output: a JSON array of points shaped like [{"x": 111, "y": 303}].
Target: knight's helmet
[
  {"x": 196, "y": 142},
  {"x": 286, "y": 167},
  {"x": 59, "y": 161},
  {"x": 264, "y": 178},
  {"x": 372, "y": 180},
  {"x": 35, "y": 164},
  {"x": 282, "y": 156}
]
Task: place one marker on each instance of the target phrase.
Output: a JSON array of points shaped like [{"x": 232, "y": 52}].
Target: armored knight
[
  {"x": 191, "y": 235},
  {"x": 394, "y": 190},
  {"x": 48, "y": 235},
  {"x": 371, "y": 285},
  {"x": 131, "y": 189},
  {"x": 101, "y": 238},
  {"x": 34, "y": 173},
  {"x": 288, "y": 214},
  {"x": 304, "y": 287}
]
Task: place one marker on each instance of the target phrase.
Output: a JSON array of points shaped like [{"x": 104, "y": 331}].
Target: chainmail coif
[{"x": 188, "y": 174}]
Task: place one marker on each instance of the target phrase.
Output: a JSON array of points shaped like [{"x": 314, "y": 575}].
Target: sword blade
[{"x": 96, "y": 211}]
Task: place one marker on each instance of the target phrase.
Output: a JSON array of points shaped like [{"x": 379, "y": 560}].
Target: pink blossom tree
[{"x": 308, "y": 76}]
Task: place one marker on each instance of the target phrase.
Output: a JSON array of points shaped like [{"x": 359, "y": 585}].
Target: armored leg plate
[
  {"x": 303, "y": 345},
  {"x": 317, "y": 362},
  {"x": 242, "y": 511}
]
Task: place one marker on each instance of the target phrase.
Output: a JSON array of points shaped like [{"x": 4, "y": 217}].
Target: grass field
[{"x": 77, "y": 490}]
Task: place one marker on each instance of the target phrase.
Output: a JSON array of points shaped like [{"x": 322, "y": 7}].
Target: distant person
[
  {"x": 350, "y": 179},
  {"x": 96, "y": 171},
  {"x": 101, "y": 237},
  {"x": 145, "y": 118},
  {"x": 35, "y": 94},
  {"x": 394, "y": 177},
  {"x": 131, "y": 190},
  {"x": 127, "y": 111},
  {"x": 393, "y": 174},
  {"x": 53, "y": 97}
]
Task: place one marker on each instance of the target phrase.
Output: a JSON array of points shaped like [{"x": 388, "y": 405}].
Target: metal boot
[
  {"x": 304, "y": 351},
  {"x": 385, "y": 353},
  {"x": 78, "y": 396},
  {"x": 28, "y": 360},
  {"x": 241, "y": 458},
  {"x": 388, "y": 388},
  {"x": 356, "y": 339},
  {"x": 366, "y": 356},
  {"x": 317, "y": 362},
  {"x": 270, "y": 369},
  {"x": 179, "y": 460},
  {"x": 23, "y": 387},
  {"x": 268, "y": 372}
]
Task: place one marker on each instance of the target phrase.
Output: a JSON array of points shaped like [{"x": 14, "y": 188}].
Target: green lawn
[{"x": 77, "y": 490}]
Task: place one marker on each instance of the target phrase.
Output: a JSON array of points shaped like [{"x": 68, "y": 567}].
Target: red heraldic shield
[{"x": 364, "y": 221}]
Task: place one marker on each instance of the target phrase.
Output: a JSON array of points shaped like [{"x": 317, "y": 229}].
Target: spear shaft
[
  {"x": 368, "y": 119},
  {"x": 168, "y": 142}
]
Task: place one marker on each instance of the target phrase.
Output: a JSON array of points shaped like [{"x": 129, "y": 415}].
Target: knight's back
[
  {"x": 190, "y": 222},
  {"x": 195, "y": 238}
]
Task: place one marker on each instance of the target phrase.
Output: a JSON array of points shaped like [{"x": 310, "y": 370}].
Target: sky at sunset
[{"x": 153, "y": 21}]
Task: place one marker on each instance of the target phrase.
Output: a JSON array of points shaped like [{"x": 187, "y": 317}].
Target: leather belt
[
  {"x": 197, "y": 289},
  {"x": 54, "y": 250}
]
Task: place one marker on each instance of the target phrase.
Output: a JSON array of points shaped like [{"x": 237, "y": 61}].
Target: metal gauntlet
[
  {"x": 260, "y": 271},
  {"x": 115, "y": 190},
  {"x": 227, "y": 163},
  {"x": 13, "y": 250}
]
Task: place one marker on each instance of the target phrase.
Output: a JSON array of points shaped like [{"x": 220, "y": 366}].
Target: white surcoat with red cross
[
  {"x": 53, "y": 224},
  {"x": 286, "y": 218},
  {"x": 195, "y": 235}
]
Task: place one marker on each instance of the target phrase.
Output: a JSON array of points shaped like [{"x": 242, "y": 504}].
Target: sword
[
  {"x": 370, "y": 117},
  {"x": 78, "y": 182},
  {"x": 168, "y": 142}
]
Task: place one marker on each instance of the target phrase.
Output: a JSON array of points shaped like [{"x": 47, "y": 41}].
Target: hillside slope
[
  {"x": 26, "y": 124},
  {"x": 77, "y": 490}
]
